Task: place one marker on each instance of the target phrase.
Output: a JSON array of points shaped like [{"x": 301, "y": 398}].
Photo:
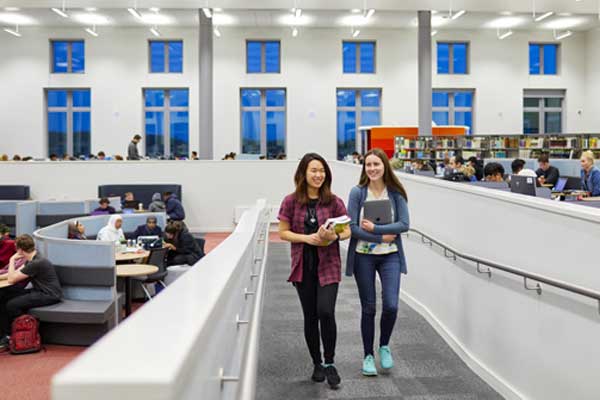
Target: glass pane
[
  {"x": 349, "y": 57},
  {"x": 275, "y": 133},
  {"x": 553, "y": 122},
  {"x": 346, "y": 133},
  {"x": 369, "y": 98},
  {"x": 60, "y": 61},
  {"x": 179, "y": 133},
  {"x": 346, "y": 98},
  {"x": 440, "y": 117},
  {"x": 531, "y": 122},
  {"x": 155, "y": 142},
  {"x": 463, "y": 99},
  {"x": 367, "y": 57},
  {"x": 57, "y": 98},
  {"x": 77, "y": 57},
  {"x": 178, "y": 98},
  {"x": 157, "y": 57},
  {"x": 251, "y": 132},
  {"x": 534, "y": 59},
  {"x": 531, "y": 102},
  {"x": 81, "y": 98},
  {"x": 370, "y": 118},
  {"x": 81, "y": 134},
  {"x": 250, "y": 98},
  {"x": 550, "y": 59},
  {"x": 553, "y": 102},
  {"x": 459, "y": 56},
  {"x": 443, "y": 58},
  {"x": 464, "y": 118},
  {"x": 155, "y": 97},
  {"x": 253, "y": 57},
  {"x": 440, "y": 99},
  {"x": 176, "y": 56},
  {"x": 57, "y": 133},
  {"x": 275, "y": 98},
  {"x": 272, "y": 57}
]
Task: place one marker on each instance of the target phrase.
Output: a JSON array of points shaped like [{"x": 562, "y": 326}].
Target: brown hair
[
  {"x": 325, "y": 195},
  {"x": 543, "y": 158},
  {"x": 25, "y": 243},
  {"x": 389, "y": 177}
]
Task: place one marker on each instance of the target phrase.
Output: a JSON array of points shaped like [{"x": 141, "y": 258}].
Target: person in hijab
[
  {"x": 112, "y": 232},
  {"x": 77, "y": 231},
  {"x": 157, "y": 205}
]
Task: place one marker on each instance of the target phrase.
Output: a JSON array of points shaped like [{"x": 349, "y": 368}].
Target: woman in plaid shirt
[{"x": 316, "y": 264}]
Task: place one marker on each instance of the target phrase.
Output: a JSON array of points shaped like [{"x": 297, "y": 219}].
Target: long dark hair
[
  {"x": 325, "y": 195},
  {"x": 389, "y": 177}
]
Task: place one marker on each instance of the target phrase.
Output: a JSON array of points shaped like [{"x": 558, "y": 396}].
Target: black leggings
[
  {"x": 318, "y": 306},
  {"x": 16, "y": 301}
]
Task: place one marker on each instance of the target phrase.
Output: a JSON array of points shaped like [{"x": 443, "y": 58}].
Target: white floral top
[{"x": 364, "y": 247}]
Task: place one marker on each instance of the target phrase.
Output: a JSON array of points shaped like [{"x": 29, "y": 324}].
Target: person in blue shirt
[
  {"x": 150, "y": 228},
  {"x": 174, "y": 208},
  {"x": 590, "y": 174}
]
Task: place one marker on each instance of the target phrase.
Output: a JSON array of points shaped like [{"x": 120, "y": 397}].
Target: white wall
[{"x": 116, "y": 70}]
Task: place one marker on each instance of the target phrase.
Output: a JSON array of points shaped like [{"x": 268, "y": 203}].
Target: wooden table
[
  {"x": 127, "y": 271},
  {"x": 131, "y": 256},
  {"x": 4, "y": 283}
]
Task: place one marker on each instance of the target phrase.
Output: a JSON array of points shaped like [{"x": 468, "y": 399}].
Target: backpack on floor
[{"x": 25, "y": 336}]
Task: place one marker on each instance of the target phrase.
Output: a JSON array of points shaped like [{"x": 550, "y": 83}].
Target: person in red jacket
[{"x": 7, "y": 246}]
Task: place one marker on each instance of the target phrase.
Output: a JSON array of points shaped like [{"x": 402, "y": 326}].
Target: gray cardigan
[{"x": 358, "y": 195}]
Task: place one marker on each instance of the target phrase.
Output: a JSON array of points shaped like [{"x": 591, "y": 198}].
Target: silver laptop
[{"x": 378, "y": 211}]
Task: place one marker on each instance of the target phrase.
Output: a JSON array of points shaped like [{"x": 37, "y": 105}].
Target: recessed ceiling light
[
  {"x": 356, "y": 33},
  {"x": 506, "y": 13},
  {"x": 16, "y": 19},
  {"x": 135, "y": 12},
  {"x": 155, "y": 31},
  {"x": 11, "y": 9},
  {"x": 91, "y": 19},
  {"x": 504, "y": 35},
  {"x": 458, "y": 14},
  {"x": 562, "y": 35},
  {"x": 60, "y": 12},
  {"x": 91, "y": 9},
  {"x": 369, "y": 13},
  {"x": 157, "y": 19},
  {"x": 154, "y": 9},
  {"x": 355, "y": 10}
]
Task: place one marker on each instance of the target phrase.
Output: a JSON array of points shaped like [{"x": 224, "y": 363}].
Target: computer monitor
[
  {"x": 522, "y": 185},
  {"x": 560, "y": 185}
]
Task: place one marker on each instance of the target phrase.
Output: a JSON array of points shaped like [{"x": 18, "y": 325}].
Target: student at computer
[
  {"x": 183, "y": 248},
  {"x": 457, "y": 171},
  {"x": 76, "y": 231},
  {"x": 377, "y": 249},
  {"x": 129, "y": 201},
  {"x": 316, "y": 264},
  {"x": 493, "y": 172},
  {"x": 547, "y": 174},
  {"x": 590, "y": 174},
  {"x": 150, "y": 228},
  {"x": 112, "y": 232},
  {"x": 105, "y": 207},
  {"x": 518, "y": 168}
]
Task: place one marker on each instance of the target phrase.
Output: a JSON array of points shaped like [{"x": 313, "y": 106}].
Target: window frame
[
  {"x": 360, "y": 139},
  {"x": 69, "y": 56},
  {"x": 263, "y": 57},
  {"x": 541, "y": 109},
  {"x": 451, "y": 109},
  {"x": 166, "y": 109},
  {"x": 541, "y": 51},
  {"x": 358, "y": 68},
  {"x": 263, "y": 109},
  {"x": 69, "y": 109},
  {"x": 165, "y": 42},
  {"x": 451, "y": 57}
]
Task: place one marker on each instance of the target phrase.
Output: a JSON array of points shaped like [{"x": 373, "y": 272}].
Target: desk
[
  {"x": 4, "y": 283},
  {"x": 127, "y": 271},
  {"x": 129, "y": 256}
]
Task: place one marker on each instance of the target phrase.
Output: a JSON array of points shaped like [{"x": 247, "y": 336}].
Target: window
[
  {"x": 263, "y": 121},
  {"x": 542, "y": 111},
  {"x": 68, "y": 118},
  {"x": 166, "y": 56},
  {"x": 262, "y": 57},
  {"x": 355, "y": 108},
  {"x": 166, "y": 124},
  {"x": 68, "y": 56},
  {"x": 453, "y": 107},
  {"x": 452, "y": 58},
  {"x": 358, "y": 57},
  {"x": 543, "y": 59}
]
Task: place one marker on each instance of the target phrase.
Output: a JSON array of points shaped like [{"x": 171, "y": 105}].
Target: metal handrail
[{"x": 580, "y": 290}]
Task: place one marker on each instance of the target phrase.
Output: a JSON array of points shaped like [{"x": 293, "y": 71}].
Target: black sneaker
[
  {"x": 4, "y": 343},
  {"x": 318, "y": 373},
  {"x": 333, "y": 379}
]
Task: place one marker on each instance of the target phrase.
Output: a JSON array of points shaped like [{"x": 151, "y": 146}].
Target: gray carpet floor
[{"x": 425, "y": 366}]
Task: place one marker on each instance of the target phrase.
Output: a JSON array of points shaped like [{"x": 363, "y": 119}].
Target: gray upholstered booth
[
  {"x": 19, "y": 216},
  {"x": 142, "y": 193},
  {"x": 14, "y": 192}
]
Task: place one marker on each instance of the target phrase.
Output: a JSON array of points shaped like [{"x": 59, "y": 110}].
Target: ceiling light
[
  {"x": 433, "y": 12},
  {"x": 217, "y": 31},
  {"x": 506, "y": 22},
  {"x": 458, "y": 14},
  {"x": 10, "y": 9},
  {"x": 352, "y": 20},
  {"x": 155, "y": 31},
  {"x": 154, "y": 9},
  {"x": 291, "y": 20},
  {"x": 91, "y": 9},
  {"x": 564, "y": 23},
  {"x": 224, "y": 19},
  {"x": 562, "y": 35},
  {"x": 157, "y": 19},
  {"x": 91, "y": 19},
  {"x": 60, "y": 12},
  {"x": 356, "y": 33},
  {"x": 207, "y": 12},
  {"x": 135, "y": 12},
  {"x": 295, "y": 32},
  {"x": 355, "y": 10},
  {"x": 298, "y": 13},
  {"x": 504, "y": 35},
  {"x": 217, "y": 9},
  {"x": 14, "y": 32},
  {"x": 433, "y": 33},
  {"x": 370, "y": 13},
  {"x": 92, "y": 31},
  {"x": 16, "y": 19},
  {"x": 543, "y": 16}
]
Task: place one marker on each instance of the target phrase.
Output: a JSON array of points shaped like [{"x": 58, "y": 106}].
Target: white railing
[{"x": 196, "y": 339}]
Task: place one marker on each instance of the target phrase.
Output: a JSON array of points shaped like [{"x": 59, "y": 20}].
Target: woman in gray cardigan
[{"x": 377, "y": 249}]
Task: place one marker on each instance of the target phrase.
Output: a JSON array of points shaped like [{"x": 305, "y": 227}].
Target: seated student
[
  {"x": 547, "y": 174},
  {"x": 590, "y": 174},
  {"x": 129, "y": 201},
  {"x": 104, "y": 208},
  {"x": 477, "y": 166},
  {"x": 456, "y": 171},
  {"x": 157, "y": 205},
  {"x": 7, "y": 246},
  {"x": 518, "y": 168},
  {"x": 173, "y": 207},
  {"x": 183, "y": 248},
  {"x": 15, "y": 300},
  {"x": 420, "y": 165},
  {"x": 150, "y": 228},
  {"x": 76, "y": 231},
  {"x": 493, "y": 172},
  {"x": 112, "y": 232}
]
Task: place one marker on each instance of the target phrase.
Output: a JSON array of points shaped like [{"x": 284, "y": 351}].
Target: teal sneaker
[
  {"x": 385, "y": 356},
  {"x": 368, "y": 368}
]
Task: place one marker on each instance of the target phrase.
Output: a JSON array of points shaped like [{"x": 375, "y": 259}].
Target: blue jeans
[{"x": 388, "y": 268}]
